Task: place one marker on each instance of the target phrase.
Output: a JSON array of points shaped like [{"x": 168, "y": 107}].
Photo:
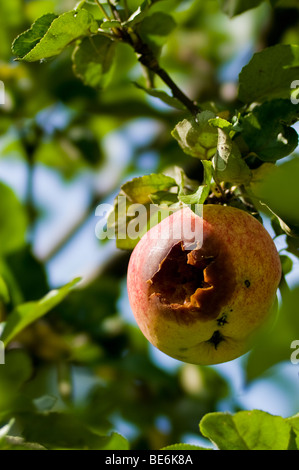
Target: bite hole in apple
[{"x": 180, "y": 275}]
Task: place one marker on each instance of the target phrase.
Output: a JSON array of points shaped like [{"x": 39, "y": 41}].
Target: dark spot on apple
[
  {"x": 216, "y": 339},
  {"x": 247, "y": 283},
  {"x": 223, "y": 320}
]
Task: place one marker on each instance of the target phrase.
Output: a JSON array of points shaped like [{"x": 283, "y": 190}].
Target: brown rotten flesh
[
  {"x": 180, "y": 278},
  {"x": 199, "y": 280}
]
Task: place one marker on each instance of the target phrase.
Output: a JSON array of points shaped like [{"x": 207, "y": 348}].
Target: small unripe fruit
[{"x": 202, "y": 301}]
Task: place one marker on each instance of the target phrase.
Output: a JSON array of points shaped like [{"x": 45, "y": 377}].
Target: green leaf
[
  {"x": 45, "y": 403},
  {"x": 117, "y": 223},
  {"x": 4, "y": 292},
  {"x": 157, "y": 24},
  {"x": 163, "y": 96},
  {"x": 236, "y": 7},
  {"x": 17, "y": 443},
  {"x": 115, "y": 442},
  {"x": 294, "y": 422},
  {"x": 17, "y": 370},
  {"x": 164, "y": 198},
  {"x": 29, "y": 275},
  {"x": 62, "y": 431},
  {"x": 24, "y": 43},
  {"x": 110, "y": 24},
  {"x": 278, "y": 190},
  {"x": 284, "y": 3},
  {"x": 25, "y": 314},
  {"x": 5, "y": 430},
  {"x": 200, "y": 195},
  {"x": 93, "y": 60},
  {"x": 197, "y": 137},
  {"x": 267, "y": 130},
  {"x": 246, "y": 430},
  {"x": 14, "y": 443},
  {"x": 273, "y": 344},
  {"x": 286, "y": 264},
  {"x": 269, "y": 74},
  {"x": 135, "y": 198},
  {"x": 221, "y": 124},
  {"x": 15, "y": 292},
  {"x": 228, "y": 163},
  {"x": 184, "y": 447},
  {"x": 139, "y": 14},
  {"x": 13, "y": 221},
  {"x": 139, "y": 189},
  {"x": 46, "y": 39}
]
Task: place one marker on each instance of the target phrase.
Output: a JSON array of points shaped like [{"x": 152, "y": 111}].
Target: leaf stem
[
  {"x": 103, "y": 10},
  {"x": 126, "y": 9}
]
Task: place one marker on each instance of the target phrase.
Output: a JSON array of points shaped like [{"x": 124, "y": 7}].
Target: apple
[{"x": 201, "y": 297}]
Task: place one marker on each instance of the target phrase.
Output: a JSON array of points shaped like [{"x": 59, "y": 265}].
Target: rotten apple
[{"x": 201, "y": 297}]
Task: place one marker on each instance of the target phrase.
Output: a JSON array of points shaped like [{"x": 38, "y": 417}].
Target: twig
[
  {"x": 147, "y": 58},
  {"x": 113, "y": 10}
]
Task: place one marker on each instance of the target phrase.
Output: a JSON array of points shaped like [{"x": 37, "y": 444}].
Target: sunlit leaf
[
  {"x": 196, "y": 136},
  {"x": 24, "y": 43},
  {"x": 49, "y": 35},
  {"x": 246, "y": 430},
  {"x": 27, "y": 313},
  {"x": 184, "y": 447},
  {"x": 228, "y": 163},
  {"x": 139, "y": 189}
]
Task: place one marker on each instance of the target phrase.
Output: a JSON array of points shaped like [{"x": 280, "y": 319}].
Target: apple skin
[{"x": 204, "y": 306}]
